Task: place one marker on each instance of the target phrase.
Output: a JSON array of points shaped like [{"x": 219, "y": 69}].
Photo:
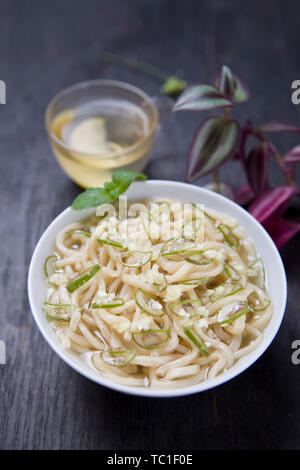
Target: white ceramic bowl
[{"x": 275, "y": 273}]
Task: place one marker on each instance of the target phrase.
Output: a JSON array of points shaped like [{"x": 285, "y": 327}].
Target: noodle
[{"x": 144, "y": 308}]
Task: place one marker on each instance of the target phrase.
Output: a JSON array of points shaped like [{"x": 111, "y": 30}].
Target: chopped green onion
[
  {"x": 195, "y": 282},
  {"x": 212, "y": 219},
  {"x": 141, "y": 258},
  {"x": 151, "y": 339},
  {"x": 255, "y": 302},
  {"x": 83, "y": 278},
  {"x": 158, "y": 210},
  {"x": 82, "y": 233},
  {"x": 230, "y": 288},
  {"x": 197, "y": 341},
  {"x": 162, "y": 286},
  {"x": 60, "y": 312},
  {"x": 146, "y": 230},
  {"x": 117, "y": 302},
  {"x": 148, "y": 304},
  {"x": 192, "y": 224},
  {"x": 229, "y": 237},
  {"x": 189, "y": 306},
  {"x": 110, "y": 242},
  {"x": 231, "y": 272},
  {"x": 50, "y": 265},
  {"x": 258, "y": 278},
  {"x": 118, "y": 358},
  {"x": 175, "y": 246},
  {"x": 242, "y": 311},
  {"x": 197, "y": 257}
]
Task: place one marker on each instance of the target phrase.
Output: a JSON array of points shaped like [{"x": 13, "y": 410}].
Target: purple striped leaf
[
  {"x": 231, "y": 86},
  {"x": 215, "y": 141},
  {"x": 227, "y": 82},
  {"x": 200, "y": 97},
  {"x": 281, "y": 230},
  {"x": 278, "y": 126},
  {"x": 257, "y": 167},
  {"x": 293, "y": 156},
  {"x": 270, "y": 201},
  {"x": 243, "y": 195}
]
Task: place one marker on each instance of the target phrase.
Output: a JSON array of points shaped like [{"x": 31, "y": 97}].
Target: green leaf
[
  {"x": 215, "y": 141},
  {"x": 93, "y": 197},
  {"x": 173, "y": 86},
  {"x": 200, "y": 97}
]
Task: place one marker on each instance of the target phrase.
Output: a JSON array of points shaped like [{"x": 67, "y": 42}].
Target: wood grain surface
[{"x": 46, "y": 46}]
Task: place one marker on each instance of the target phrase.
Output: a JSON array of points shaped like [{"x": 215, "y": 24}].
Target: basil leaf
[
  {"x": 121, "y": 180},
  {"x": 93, "y": 197}
]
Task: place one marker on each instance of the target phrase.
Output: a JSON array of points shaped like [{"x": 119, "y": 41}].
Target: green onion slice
[
  {"x": 146, "y": 229},
  {"x": 151, "y": 339},
  {"x": 61, "y": 312},
  {"x": 212, "y": 219},
  {"x": 110, "y": 242},
  {"x": 83, "y": 278},
  {"x": 231, "y": 272},
  {"x": 152, "y": 216},
  {"x": 255, "y": 302},
  {"x": 197, "y": 257},
  {"x": 195, "y": 282},
  {"x": 228, "y": 235},
  {"x": 230, "y": 288},
  {"x": 175, "y": 246},
  {"x": 260, "y": 277},
  {"x": 195, "y": 224},
  {"x": 82, "y": 233},
  {"x": 149, "y": 304},
  {"x": 118, "y": 358},
  {"x": 241, "y": 309},
  {"x": 188, "y": 305},
  {"x": 117, "y": 302},
  {"x": 197, "y": 341},
  {"x": 50, "y": 265},
  {"x": 135, "y": 259}
]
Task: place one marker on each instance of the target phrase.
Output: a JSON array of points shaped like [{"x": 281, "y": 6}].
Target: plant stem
[
  {"x": 216, "y": 177},
  {"x": 136, "y": 65},
  {"x": 276, "y": 155},
  {"x": 226, "y": 112}
]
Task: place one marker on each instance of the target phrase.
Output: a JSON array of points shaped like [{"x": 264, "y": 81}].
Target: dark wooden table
[{"x": 46, "y": 46}]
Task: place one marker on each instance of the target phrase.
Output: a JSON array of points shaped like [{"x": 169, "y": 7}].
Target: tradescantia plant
[{"x": 221, "y": 138}]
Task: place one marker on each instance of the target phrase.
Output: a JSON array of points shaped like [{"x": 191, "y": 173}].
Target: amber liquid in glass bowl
[{"x": 100, "y": 126}]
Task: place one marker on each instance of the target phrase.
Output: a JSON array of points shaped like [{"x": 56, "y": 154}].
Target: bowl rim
[
  {"x": 105, "y": 82},
  {"x": 161, "y": 393}
]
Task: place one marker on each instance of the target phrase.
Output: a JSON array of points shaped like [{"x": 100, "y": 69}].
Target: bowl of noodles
[{"x": 170, "y": 291}]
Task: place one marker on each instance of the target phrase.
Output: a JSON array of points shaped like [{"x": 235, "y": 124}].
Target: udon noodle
[{"x": 169, "y": 296}]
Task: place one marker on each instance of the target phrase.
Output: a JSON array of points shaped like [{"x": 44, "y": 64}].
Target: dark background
[{"x": 46, "y": 46}]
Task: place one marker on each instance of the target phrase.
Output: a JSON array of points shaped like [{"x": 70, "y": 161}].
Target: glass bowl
[{"x": 131, "y": 118}]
